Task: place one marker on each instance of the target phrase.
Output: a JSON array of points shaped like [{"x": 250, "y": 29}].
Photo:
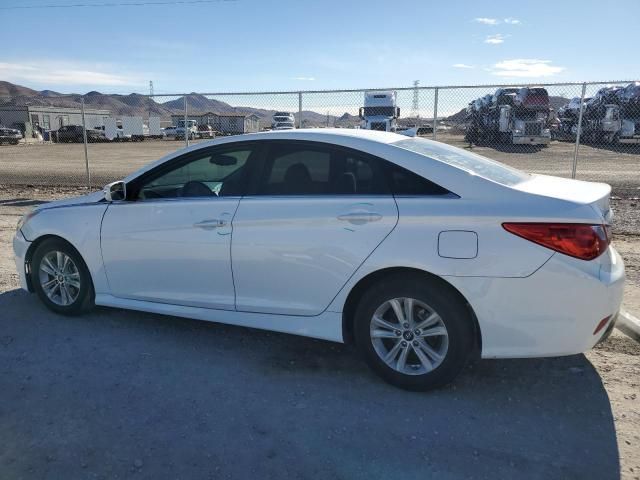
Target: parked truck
[
  {"x": 191, "y": 130},
  {"x": 380, "y": 111},
  {"x": 518, "y": 116},
  {"x": 611, "y": 116}
]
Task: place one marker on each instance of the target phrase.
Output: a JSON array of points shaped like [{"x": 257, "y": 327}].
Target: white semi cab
[
  {"x": 283, "y": 121},
  {"x": 380, "y": 111}
]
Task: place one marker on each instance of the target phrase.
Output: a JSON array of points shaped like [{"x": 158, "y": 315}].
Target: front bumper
[
  {"x": 629, "y": 140},
  {"x": 20, "y": 248},
  {"x": 531, "y": 140},
  {"x": 552, "y": 312}
]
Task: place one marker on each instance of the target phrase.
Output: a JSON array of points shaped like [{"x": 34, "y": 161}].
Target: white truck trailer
[{"x": 380, "y": 111}]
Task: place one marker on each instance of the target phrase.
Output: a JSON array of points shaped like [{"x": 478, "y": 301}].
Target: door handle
[
  {"x": 210, "y": 224},
  {"x": 359, "y": 218}
]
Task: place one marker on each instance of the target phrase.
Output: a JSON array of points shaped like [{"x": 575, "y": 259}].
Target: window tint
[
  {"x": 212, "y": 174},
  {"x": 405, "y": 182},
  {"x": 475, "y": 164},
  {"x": 320, "y": 170}
]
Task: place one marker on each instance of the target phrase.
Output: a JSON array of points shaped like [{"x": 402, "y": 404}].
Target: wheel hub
[{"x": 408, "y": 335}]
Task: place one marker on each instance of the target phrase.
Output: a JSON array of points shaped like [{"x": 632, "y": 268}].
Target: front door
[
  {"x": 316, "y": 214},
  {"x": 170, "y": 241}
]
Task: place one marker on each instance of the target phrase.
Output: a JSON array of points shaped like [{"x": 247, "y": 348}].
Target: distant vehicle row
[
  {"x": 524, "y": 116},
  {"x": 611, "y": 116}
]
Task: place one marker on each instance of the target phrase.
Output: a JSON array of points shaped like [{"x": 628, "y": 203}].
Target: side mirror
[
  {"x": 361, "y": 113},
  {"x": 115, "y": 191}
]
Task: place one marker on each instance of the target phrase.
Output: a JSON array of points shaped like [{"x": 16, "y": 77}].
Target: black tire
[
  {"x": 442, "y": 299},
  {"x": 85, "y": 294}
]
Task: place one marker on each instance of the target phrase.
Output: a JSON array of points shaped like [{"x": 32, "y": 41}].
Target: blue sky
[{"x": 291, "y": 45}]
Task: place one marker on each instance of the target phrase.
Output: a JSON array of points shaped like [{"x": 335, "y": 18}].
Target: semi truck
[
  {"x": 283, "y": 121},
  {"x": 518, "y": 116},
  {"x": 611, "y": 116},
  {"x": 380, "y": 111}
]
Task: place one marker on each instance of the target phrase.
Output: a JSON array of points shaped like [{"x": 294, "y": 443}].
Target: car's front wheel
[
  {"x": 61, "y": 278},
  {"x": 415, "y": 332}
]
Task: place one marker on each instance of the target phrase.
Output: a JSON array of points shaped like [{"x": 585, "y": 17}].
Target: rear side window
[
  {"x": 296, "y": 171},
  {"x": 299, "y": 169},
  {"x": 470, "y": 162},
  {"x": 405, "y": 182}
]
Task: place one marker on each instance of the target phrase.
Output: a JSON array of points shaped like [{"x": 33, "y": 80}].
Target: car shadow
[{"x": 114, "y": 392}]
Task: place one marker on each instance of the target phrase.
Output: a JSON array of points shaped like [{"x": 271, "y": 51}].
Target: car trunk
[{"x": 576, "y": 191}]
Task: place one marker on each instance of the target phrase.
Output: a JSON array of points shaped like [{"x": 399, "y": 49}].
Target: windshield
[{"x": 471, "y": 162}]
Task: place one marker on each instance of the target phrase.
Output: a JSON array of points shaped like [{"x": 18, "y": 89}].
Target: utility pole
[{"x": 415, "y": 107}]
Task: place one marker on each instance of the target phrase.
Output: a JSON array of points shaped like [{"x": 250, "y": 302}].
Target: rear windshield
[{"x": 471, "y": 162}]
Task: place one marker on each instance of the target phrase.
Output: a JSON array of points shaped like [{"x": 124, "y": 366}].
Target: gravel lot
[
  {"x": 119, "y": 394},
  {"x": 64, "y": 164}
]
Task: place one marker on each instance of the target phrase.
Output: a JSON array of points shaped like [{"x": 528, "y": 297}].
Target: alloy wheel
[
  {"x": 409, "y": 336},
  {"x": 59, "y": 278}
]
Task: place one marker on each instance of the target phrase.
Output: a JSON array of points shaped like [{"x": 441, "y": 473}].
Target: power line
[{"x": 120, "y": 4}]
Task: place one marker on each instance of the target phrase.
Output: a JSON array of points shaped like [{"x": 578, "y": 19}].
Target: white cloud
[
  {"x": 512, "y": 21},
  {"x": 496, "y": 39},
  {"x": 462, "y": 65},
  {"x": 305, "y": 79},
  {"x": 525, "y": 67},
  {"x": 487, "y": 21},
  {"x": 51, "y": 74}
]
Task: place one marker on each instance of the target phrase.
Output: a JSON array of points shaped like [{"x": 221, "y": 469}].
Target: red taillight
[
  {"x": 601, "y": 325},
  {"x": 585, "y": 242}
]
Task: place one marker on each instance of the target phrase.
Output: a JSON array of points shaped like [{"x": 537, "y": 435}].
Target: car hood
[{"x": 93, "y": 197}]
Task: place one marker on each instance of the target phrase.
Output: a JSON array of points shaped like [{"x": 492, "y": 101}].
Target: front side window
[{"x": 212, "y": 174}]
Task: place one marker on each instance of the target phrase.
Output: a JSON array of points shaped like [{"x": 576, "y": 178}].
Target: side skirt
[{"x": 326, "y": 326}]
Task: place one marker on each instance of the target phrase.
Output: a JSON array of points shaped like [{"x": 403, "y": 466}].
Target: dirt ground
[
  {"x": 118, "y": 394},
  {"x": 64, "y": 164}
]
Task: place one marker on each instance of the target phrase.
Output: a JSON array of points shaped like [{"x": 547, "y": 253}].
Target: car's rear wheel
[
  {"x": 415, "y": 332},
  {"x": 61, "y": 278}
]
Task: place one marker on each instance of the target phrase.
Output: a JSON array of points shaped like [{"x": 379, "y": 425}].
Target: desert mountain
[{"x": 141, "y": 105}]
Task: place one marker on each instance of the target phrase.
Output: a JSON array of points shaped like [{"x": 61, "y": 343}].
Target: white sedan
[{"x": 421, "y": 254}]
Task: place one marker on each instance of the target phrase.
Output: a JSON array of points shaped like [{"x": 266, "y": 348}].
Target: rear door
[{"x": 314, "y": 214}]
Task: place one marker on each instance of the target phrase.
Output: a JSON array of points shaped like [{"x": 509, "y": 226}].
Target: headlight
[{"x": 26, "y": 218}]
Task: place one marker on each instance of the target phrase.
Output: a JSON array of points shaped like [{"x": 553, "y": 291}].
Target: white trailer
[
  {"x": 380, "y": 111},
  {"x": 133, "y": 128},
  {"x": 113, "y": 132},
  {"x": 154, "y": 128}
]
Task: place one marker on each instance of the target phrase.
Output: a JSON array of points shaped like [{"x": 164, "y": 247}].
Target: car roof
[{"x": 326, "y": 135}]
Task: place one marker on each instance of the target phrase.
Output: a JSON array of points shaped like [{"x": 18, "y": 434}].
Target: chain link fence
[{"x": 589, "y": 131}]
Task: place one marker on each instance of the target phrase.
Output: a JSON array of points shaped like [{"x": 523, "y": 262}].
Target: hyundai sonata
[{"x": 421, "y": 254}]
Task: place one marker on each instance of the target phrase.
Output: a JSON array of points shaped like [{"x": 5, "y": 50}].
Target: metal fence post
[
  {"x": 186, "y": 132},
  {"x": 86, "y": 150},
  {"x": 578, "y": 132},
  {"x": 299, "y": 109},
  {"x": 435, "y": 114}
]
